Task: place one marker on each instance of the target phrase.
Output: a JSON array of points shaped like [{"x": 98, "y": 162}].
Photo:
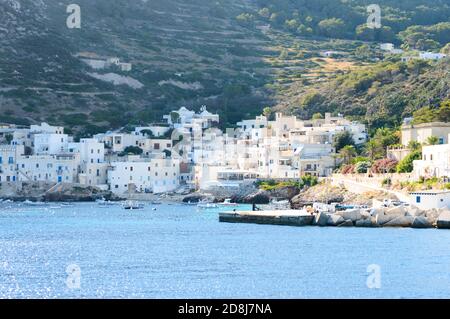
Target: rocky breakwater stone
[
  {"x": 400, "y": 221},
  {"x": 433, "y": 215},
  {"x": 385, "y": 216},
  {"x": 347, "y": 223},
  {"x": 443, "y": 220},
  {"x": 352, "y": 215},
  {"x": 367, "y": 222},
  {"x": 321, "y": 219},
  {"x": 421, "y": 222},
  {"x": 335, "y": 220}
]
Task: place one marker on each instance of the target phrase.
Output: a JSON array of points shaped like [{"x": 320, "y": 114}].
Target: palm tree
[
  {"x": 347, "y": 153},
  {"x": 432, "y": 140},
  {"x": 372, "y": 150}
]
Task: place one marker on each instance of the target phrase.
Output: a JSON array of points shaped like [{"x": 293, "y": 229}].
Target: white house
[
  {"x": 50, "y": 143},
  {"x": 49, "y": 168},
  {"x": 431, "y": 199},
  {"x": 432, "y": 56},
  {"x": 435, "y": 162},
  {"x": 93, "y": 168},
  {"x": 8, "y": 161},
  {"x": 157, "y": 175}
]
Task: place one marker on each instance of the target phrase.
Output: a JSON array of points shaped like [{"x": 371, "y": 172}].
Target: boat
[
  {"x": 155, "y": 202},
  {"x": 205, "y": 204},
  {"x": 130, "y": 205},
  {"x": 227, "y": 202}
]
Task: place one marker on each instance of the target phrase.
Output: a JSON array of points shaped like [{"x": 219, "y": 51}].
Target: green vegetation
[
  {"x": 343, "y": 139},
  {"x": 305, "y": 181},
  {"x": 406, "y": 165},
  {"x": 131, "y": 150},
  {"x": 429, "y": 114}
]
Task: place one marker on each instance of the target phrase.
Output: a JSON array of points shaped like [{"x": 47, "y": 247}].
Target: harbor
[{"x": 381, "y": 214}]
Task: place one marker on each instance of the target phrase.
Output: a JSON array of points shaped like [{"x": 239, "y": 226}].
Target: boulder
[
  {"x": 376, "y": 211},
  {"x": 415, "y": 212},
  {"x": 443, "y": 220},
  {"x": 353, "y": 214},
  {"x": 321, "y": 219},
  {"x": 432, "y": 216},
  {"x": 421, "y": 222},
  {"x": 335, "y": 220},
  {"x": 347, "y": 223},
  {"x": 400, "y": 221},
  {"x": 382, "y": 219},
  {"x": 397, "y": 211},
  {"x": 364, "y": 223}
]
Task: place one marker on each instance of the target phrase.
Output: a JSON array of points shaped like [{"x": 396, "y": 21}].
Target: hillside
[{"x": 235, "y": 56}]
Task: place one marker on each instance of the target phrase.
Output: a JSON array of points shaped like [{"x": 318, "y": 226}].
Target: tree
[
  {"x": 132, "y": 150},
  {"x": 333, "y": 28},
  {"x": 267, "y": 112},
  {"x": 8, "y": 138},
  {"x": 347, "y": 153},
  {"x": 415, "y": 146},
  {"x": 174, "y": 117},
  {"x": 432, "y": 140},
  {"x": 317, "y": 116},
  {"x": 343, "y": 139},
  {"x": 406, "y": 165},
  {"x": 373, "y": 150}
]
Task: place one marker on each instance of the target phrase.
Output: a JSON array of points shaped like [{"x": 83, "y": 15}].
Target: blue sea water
[{"x": 180, "y": 252}]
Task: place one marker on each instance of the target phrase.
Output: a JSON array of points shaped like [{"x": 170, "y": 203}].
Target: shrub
[
  {"x": 362, "y": 167},
  {"x": 385, "y": 165},
  {"x": 406, "y": 165}
]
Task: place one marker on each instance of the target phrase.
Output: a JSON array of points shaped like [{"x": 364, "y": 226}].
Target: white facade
[
  {"x": 435, "y": 162},
  {"x": 50, "y": 143},
  {"x": 156, "y": 175},
  {"x": 49, "y": 168},
  {"x": 8, "y": 161},
  {"x": 432, "y": 56},
  {"x": 430, "y": 199}
]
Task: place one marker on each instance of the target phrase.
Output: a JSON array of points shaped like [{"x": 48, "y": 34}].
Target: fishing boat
[
  {"x": 130, "y": 205},
  {"x": 227, "y": 202}
]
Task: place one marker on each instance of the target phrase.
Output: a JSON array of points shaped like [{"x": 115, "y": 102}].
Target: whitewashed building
[
  {"x": 50, "y": 143},
  {"x": 9, "y": 155},
  {"x": 49, "y": 168},
  {"x": 156, "y": 175}
]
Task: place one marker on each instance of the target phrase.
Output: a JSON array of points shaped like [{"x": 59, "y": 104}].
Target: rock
[
  {"x": 401, "y": 221},
  {"x": 381, "y": 219},
  {"x": 398, "y": 211},
  {"x": 415, "y": 212},
  {"x": 421, "y": 222},
  {"x": 443, "y": 220},
  {"x": 353, "y": 215},
  {"x": 321, "y": 219},
  {"x": 364, "y": 223},
  {"x": 335, "y": 220},
  {"x": 432, "y": 216},
  {"x": 347, "y": 223},
  {"x": 376, "y": 211},
  {"x": 260, "y": 197}
]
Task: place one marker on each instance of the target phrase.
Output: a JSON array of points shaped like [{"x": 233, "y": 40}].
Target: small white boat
[
  {"x": 228, "y": 202},
  {"x": 130, "y": 205},
  {"x": 205, "y": 204}
]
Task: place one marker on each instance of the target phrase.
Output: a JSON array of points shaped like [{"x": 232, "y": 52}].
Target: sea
[{"x": 88, "y": 250}]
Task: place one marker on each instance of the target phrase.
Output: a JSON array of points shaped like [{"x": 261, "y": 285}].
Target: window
[
  {"x": 418, "y": 199},
  {"x": 11, "y": 160},
  {"x": 1, "y": 160},
  {"x": 157, "y": 146}
]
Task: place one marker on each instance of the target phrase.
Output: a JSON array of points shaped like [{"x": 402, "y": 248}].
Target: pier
[{"x": 286, "y": 218}]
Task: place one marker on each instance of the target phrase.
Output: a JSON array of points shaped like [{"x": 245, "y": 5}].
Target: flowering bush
[
  {"x": 385, "y": 165},
  {"x": 348, "y": 169}
]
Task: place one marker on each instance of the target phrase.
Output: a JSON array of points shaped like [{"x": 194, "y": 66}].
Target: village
[{"x": 187, "y": 153}]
